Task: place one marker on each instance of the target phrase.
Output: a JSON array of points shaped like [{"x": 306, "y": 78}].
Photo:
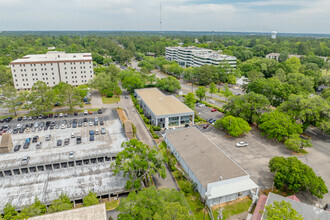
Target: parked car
[
  {"x": 85, "y": 112},
  {"x": 59, "y": 142},
  {"x": 126, "y": 96},
  {"x": 90, "y": 123},
  {"x": 48, "y": 137},
  {"x": 71, "y": 154},
  {"x": 100, "y": 111},
  {"x": 73, "y": 135},
  {"x": 17, "y": 147},
  {"x": 241, "y": 144},
  {"x": 2, "y": 120},
  {"x": 38, "y": 146},
  {"x": 34, "y": 117},
  {"x": 96, "y": 123},
  {"x": 91, "y": 137},
  {"x": 103, "y": 131},
  {"x": 45, "y": 117},
  {"x": 91, "y": 132},
  {"x": 55, "y": 115},
  {"x": 25, "y": 118},
  {"x": 85, "y": 120},
  {"x": 19, "y": 118},
  {"x": 25, "y": 160},
  {"x": 60, "y": 115},
  {"x": 40, "y": 116},
  {"x": 36, "y": 124},
  {"x": 80, "y": 124},
  {"x": 214, "y": 110},
  {"x": 96, "y": 119},
  {"x": 35, "y": 139},
  {"x": 50, "y": 115},
  {"x": 90, "y": 112},
  {"x": 30, "y": 118},
  {"x": 66, "y": 115},
  {"x": 25, "y": 145},
  {"x": 63, "y": 126},
  {"x": 211, "y": 101},
  {"x": 85, "y": 124},
  {"x": 75, "y": 113},
  {"x": 78, "y": 139},
  {"x": 101, "y": 122},
  {"x": 74, "y": 124},
  {"x": 19, "y": 126},
  {"x": 206, "y": 126},
  {"x": 97, "y": 132},
  {"x": 66, "y": 141}
]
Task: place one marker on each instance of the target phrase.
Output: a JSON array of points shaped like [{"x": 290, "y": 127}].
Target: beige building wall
[{"x": 6, "y": 145}]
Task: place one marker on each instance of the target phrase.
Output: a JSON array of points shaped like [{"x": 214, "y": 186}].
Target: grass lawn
[
  {"x": 111, "y": 204},
  {"x": 234, "y": 208},
  {"x": 107, "y": 100}
]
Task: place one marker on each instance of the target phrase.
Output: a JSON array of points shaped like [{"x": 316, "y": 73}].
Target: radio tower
[{"x": 160, "y": 20}]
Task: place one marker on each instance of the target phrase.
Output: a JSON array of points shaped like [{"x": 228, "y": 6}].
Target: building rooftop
[
  {"x": 54, "y": 56},
  {"x": 161, "y": 104},
  {"x": 95, "y": 212},
  {"x": 215, "y": 56},
  {"x": 307, "y": 211},
  {"x": 208, "y": 163}
]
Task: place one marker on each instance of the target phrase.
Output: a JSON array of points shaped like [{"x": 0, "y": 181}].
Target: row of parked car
[
  {"x": 51, "y": 115},
  {"x": 21, "y": 128}
]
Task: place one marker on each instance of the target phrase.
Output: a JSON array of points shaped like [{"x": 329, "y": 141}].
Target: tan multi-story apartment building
[{"x": 52, "y": 68}]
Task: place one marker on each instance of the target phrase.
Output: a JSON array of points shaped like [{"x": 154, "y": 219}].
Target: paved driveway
[{"x": 254, "y": 158}]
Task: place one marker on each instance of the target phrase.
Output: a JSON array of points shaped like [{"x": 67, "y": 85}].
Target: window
[
  {"x": 53, "y": 74},
  {"x": 51, "y": 65},
  {"x": 15, "y": 75},
  {"x": 14, "y": 70},
  {"x": 45, "y": 68},
  {"x": 64, "y": 63},
  {"x": 25, "y": 74},
  {"x": 239, "y": 194},
  {"x": 65, "y": 68},
  {"x": 53, "y": 77},
  {"x": 42, "y": 69},
  {"x": 30, "y": 64},
  {"x": 22, "y": 79},
  {"x": 15, "y": 80},
  {"x": 16, "y": 84}
]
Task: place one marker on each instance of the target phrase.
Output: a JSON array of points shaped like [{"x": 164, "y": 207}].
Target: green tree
[
  {"x": 213, "y": 88},
  {"x": 5, "y": 76},
  {"x": 249, "y": 106},
  {"x": 206, "y": 74},
  {"x": 9, "y": 212},
  {"x": 35, "y": 209},
  {"x": 278, "y": 125},
  {"x": 293, "y": 175},
  {"x": 296, "y": 143},
  {"x": 281, "y": 210},
  {"x": 82, "y": 90},
  {"x": 231, "y": 79},
  {"x": 139, "y": 162},
  {"x": 292, "y": 65},
  {"x": 169, "y": 84},
  {"x": 201, "y": 92},
  {"x": 90, "y": 199},
  {"x": 42, "y": 98},
  {"x": 233, "y": 125},
  {"x": 68, "y": 95},
  {"x": 300, "y": 84},
  {"x": 151, "y": 203},
  {"x": 307, "y": 110},
  {"x": 225, "y": 92},
  {"x": 190, "y": 100},
  {"x": 12, "y": 98},
  {"x": 61, "y": 204},
  {"x": 105, "y": 83}
]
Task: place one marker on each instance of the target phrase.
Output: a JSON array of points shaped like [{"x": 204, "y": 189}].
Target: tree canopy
[
  {"x": 169, "y": 84},
  {"x": 201, "y": 92},
  {"x": 293, "y": 175},
  {"x": 90, "y": 199},
  {"x": 281, "y": 210},
  {"x": 235, "y": 126},
  {"x": 190, "y": 100},
  {"x": 138, "y": 162},
  {"x": 151, "y": 203}
]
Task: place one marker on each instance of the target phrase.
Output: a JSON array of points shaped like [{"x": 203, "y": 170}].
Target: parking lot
[
  {"x": 255, "y": 157},
  {"x": 206, "y": 113},
  {"x": 50, "y": 168}
]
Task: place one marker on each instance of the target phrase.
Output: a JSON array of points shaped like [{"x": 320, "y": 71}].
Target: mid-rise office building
[
  {"x": 52, "y": 68},
  {"x": 195, "y": 56}
]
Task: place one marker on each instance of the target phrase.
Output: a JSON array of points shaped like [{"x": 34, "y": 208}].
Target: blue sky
[{"x": 290, "y": 16}]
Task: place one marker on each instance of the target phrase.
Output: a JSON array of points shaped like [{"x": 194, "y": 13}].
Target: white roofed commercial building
[
  {"x": 195, "y": 56},
  {"x": 163, "y": 110},
  {"x": 217, "y": 177},
  {"x": 52, "y": 68}
]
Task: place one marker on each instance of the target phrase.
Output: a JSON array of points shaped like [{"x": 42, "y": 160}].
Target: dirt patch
[
  {"x": 230, "y": 203},
  {"x": 121, "y": 114}
]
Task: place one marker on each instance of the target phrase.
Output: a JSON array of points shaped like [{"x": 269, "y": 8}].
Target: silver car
[{"x": 25, "y": 160}]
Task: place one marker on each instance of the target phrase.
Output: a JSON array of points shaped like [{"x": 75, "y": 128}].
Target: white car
[
  {"x": 60, "y": 115},
  {"x": 73, "y": 135},
  {"x": 25, "y": 160},
  {"x": 71, "y": 154},
  {"x": 63, "y": 126},
  {"x": 19, "y": 126},
  {"x": 85, "y": 112},
  {"x": 241, "y": 144},
  {"x": 48, "y": 137},
  {"x": 211, "y": 101}
]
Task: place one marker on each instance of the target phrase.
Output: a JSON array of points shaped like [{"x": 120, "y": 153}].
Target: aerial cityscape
[{"x": 165, "y": 110}]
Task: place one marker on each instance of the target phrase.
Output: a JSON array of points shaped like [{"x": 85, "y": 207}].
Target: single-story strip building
[
  {"x": 163, "y": 110},
  {"x": 217, "y": 177}
]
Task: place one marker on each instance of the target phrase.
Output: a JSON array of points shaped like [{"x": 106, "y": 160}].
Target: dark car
[
  {"x": 59, "y": 142},
  {"x": 85, "y": 119},
  {"x": 74, "y": 124},
  {"x": 35, "y": 139},
  {"x": 19, "y": 118},
  {"x": 17, "y": 147},
  {"x": 66, "y": 141},
  {"x": 206, "y": 126},
  {"x": 48, "y": 123},
  {"x": 45, "y": 116},
  {"x": 101, "y": 122},
  {"x": 40, "y": 116},
  {"x": 15, "y": 131},
  {"x": 25, "y": 146},
  {"x": 100, "y": 111},
  {"x": 75, "y": 113},
  {"x": 80, "y": 124},
  {"x": 55, "y": 115},
  {"x": 8, "y": 119},
  {"x": 45, "y": 128},
  {"x": 21, "y": 131},
  {"x": 2, "y": 120},
  {"x": 51, "y": 127},
  {"x": 78, "y": 139},
  {"x": 34, "y": 117},
  {"x": 91, "y": 138},
  {"x": 96, "y": 123}
]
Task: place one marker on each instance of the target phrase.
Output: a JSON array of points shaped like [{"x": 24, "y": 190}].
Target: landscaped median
[{"x": 110, "y": 100}]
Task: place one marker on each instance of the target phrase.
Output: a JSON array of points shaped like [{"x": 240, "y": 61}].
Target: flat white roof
[
  {"x": 54, "y": 56},
  {"x": 230, "y": 186},
  {"x": 161, "y": 104}
]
